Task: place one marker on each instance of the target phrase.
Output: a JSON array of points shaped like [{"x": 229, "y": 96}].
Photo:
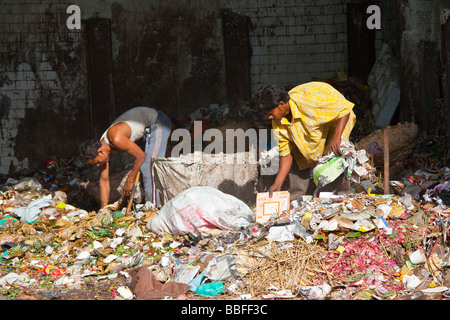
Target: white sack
[{"x": 201, "y": 209}]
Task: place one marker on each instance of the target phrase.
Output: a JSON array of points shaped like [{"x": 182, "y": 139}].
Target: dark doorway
[
  {"x": 445, "y": 54},
  {"x": 429, "y": 87},
  {"x": 237, "y": 50},
  {"x": 100, "y": 74},
  {"x": 361, "y": 41}
]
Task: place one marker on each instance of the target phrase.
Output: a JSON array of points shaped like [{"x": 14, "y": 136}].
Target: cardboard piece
[{"x": 266, "y": 207}]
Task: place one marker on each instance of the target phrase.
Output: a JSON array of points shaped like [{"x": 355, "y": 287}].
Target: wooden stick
[
  {"x": 386, "y": 161},
  {"x": 130, "y": 201}
]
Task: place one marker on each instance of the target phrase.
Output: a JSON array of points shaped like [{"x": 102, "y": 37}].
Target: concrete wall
[
  {"x": 43, "y": 92},
  {"x": 294, "y": 40},
  {"x": 165, "y": 54},
  {"x": 420, "y": 52},
  {"x": 169, "y": 55}
]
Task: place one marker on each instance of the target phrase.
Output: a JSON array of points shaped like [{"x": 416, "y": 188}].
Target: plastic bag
[
  {"x": 329, "y": 171},
  {"x": 184, "y": 272},
  {"x": 233, "y": 173},
  {"x": 211, "y": 289},
  {"x": 200, "y": 209},
  {"x": 32, "y": 211},
  {"x": 314, "y": 292}
]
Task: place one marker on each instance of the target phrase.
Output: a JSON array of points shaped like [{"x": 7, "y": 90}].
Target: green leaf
[{"x": 355, "y": 234}]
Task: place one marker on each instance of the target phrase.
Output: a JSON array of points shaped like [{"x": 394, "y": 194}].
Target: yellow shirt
[{"x": 316, "y": 108}]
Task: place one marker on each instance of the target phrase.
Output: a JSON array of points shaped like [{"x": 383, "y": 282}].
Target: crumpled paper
[{"x": 31, "y": 212}]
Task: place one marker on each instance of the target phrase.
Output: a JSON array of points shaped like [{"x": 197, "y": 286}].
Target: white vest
[{"x": 138, "y": 119}]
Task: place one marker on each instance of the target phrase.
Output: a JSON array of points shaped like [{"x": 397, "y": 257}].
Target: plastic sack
[
  {"x": 234, "y": 173},
  {"x": 200, "y": 209},
  {"x": 329, "y": 171},
  {"x": 32, "y": 211},
  {"x": 211, "y": 289},
  {"x": 314, "y": 292}
]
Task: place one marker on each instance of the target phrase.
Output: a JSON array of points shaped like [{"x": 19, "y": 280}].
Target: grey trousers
[
  {"x": 155, "y": 147},
  {"x": 300, "y": 182}
]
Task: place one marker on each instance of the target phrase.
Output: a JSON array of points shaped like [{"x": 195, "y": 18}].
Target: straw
[{"x": 283, "y": 268}]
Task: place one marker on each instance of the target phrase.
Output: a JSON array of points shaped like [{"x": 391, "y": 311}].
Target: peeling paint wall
[
  {"x": 170, "y": 55},
  {"x": 420, "y": 42},
  {"x": 42, "y": 82}
]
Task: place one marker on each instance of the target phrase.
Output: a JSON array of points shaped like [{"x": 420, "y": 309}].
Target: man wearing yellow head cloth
[{"x": 309, "y": 121}]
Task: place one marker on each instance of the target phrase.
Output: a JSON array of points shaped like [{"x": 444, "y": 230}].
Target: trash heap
[
  {"x": 361, "y": 245},
  {"x": 349, "y": 246}
]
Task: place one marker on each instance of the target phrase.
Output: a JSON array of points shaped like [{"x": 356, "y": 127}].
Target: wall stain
[
  {"x": 167, "y": 58},
  {"x": 5, "y": 103}
]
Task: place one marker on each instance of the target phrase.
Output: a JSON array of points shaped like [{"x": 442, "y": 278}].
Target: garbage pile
[
  {"x": 347, "y": 246},
  {"x": 205, "y": 244}
]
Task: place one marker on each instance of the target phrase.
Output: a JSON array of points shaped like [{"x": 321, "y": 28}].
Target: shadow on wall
[
  {"x": 43, "y": 134},
  {"x": 170, "y": 59},
  {"x": 5, "y": 103}
]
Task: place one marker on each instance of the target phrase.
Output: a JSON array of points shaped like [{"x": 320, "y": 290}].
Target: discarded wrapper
[
  {"x": 55, "y": 271},
  {"x": 417, "y": 257},
  {"x": 125, "y": 292},
  {"x": 266, "y": 206}
]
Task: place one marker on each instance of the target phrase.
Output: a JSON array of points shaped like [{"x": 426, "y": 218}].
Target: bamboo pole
[
  {"x": 386, "y": 161},
  {"x": 130, "y": 201}
]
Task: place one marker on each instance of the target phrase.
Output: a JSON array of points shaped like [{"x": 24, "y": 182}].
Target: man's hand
[
  {"x": 104, "y": 184},
  {"x": 127, "y": 188},
  {"x": 283, "y": 170},
  {"x": 274, "y": 188},
  {"x": 335, "y": 145},
  {"x": 336, "y": 142}
]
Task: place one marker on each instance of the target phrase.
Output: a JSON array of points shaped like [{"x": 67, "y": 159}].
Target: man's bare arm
[
  {"x": 336, "y": 142},
  {"x": 104, "y": 184},
  {"x": 283, "y": 170},
  {"x": 121, "y": 142}
]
